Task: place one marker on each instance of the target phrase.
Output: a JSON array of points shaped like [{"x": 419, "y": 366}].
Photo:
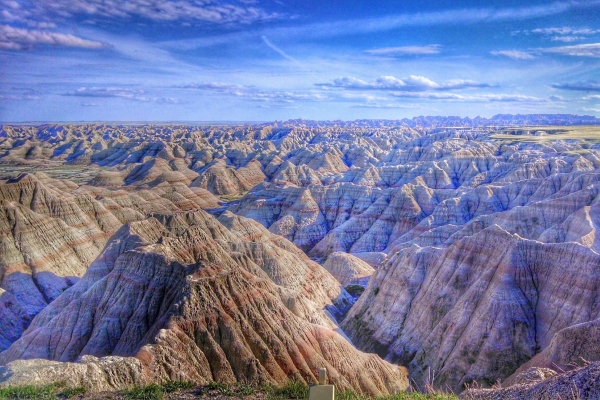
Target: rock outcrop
[
  {"x": 540, "y": 384},
  {"x": 193, "y": 300},
  {"x": 92, "y": 373},
  {"x": 477, "y": 309},
  {"x": 348, "y": 269},
  {"x": 50, "y": 234}
]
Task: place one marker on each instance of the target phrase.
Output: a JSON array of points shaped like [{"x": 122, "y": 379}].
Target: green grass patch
[
  {"x": 298, "y": 390},
  {"x": 47, "y": 392},
  {"x": 174, "y": 386},
  {"x": 349, "y": 395},
  {"x": 228, "y": 198},
  {"x": 150, "y": 392},
  {"x": 238, "y": 389},
  {"x": 355, "y": 290},
  {"x": 291, "y": 390},
  {"x": 156, "y": 392},
  {"x": 72, "y": 392},
  {"x": 352, "y": 395}
]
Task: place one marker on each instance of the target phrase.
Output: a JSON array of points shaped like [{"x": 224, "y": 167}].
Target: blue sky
[{"x": 248, "y": 60}]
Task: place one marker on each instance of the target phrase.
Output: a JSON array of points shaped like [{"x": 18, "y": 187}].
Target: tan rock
[{"x": 348, "y": 269}]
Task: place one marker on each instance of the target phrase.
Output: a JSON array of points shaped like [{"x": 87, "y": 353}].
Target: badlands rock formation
[
  {"x": 348, "y": 269},
  {"x": 105, "y": 374},
  {"x": 542, "y": 384},
  {"x": 195, "y": 300},
  {"x": 479, "y": 240},
  {"x": 51, "y": 231}
]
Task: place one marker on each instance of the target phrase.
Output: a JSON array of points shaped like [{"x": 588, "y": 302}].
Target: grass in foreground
[
  {"x": 47, "y": 392},
  {"x": 293, "y": 390},
  {"x": 298, "y": 390}
]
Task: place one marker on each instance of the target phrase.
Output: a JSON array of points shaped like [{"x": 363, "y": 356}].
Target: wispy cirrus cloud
[
  {"x": 475, "y": 98},
  {"x": 413, "y": 83},
  {"x": 386, "y": 105},
  {"x": 463, "y": 16},
  {"x": 429, "y": 95},
  {"x": 23, "y": 39},
  {"x": 218, "y": 86},
  {"x": 406, "y": 50},
  {"x": 414, "y": 87},
  {"x": 278, "y": 50},
  {"x": 124, "y": 93},
  {"x": 514, "y": 54},
  {"x": 253, "y": 93},
  {"x": 566, "y": 39},
  {"x": 583, "y": 86},
  {"x": 105, "y": 92},
  {"x": 563, "y": 34},
  {"x": 580, "y": 50},
  {"x": 17, "y": 97},
  {"x": 566, "y": 31},
  {"x": 213, "y": 11}
]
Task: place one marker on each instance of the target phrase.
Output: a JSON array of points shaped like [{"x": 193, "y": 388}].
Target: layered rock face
[
  {"x": 477, "y": 309},
  {"x": 48, "y": 238},
  {"x": 348, "y": 269},
  {"x": 94, "y": 374},
  {"x": 195, "y": 300},
  {"x": 541, "y": 384},
  {"x": 52, "y": 230}
]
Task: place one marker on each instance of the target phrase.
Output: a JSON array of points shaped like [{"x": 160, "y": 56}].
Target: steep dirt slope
[{"x": 191, "y": 301}]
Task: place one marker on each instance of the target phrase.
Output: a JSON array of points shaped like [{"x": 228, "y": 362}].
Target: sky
[{"x": 252, "y": 60}]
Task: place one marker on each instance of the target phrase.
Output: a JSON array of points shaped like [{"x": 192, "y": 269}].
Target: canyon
[{"x": 434, "y": 251}]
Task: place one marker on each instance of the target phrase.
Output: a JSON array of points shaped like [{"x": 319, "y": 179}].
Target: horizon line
[{"x": 230, "y": 122}]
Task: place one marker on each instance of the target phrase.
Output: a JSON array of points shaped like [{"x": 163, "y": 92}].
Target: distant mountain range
[{"x": 454, "y": 121}]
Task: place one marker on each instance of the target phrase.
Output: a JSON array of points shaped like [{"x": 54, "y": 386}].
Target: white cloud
[
  {"x": 124, "y": 93},
  {"x": 421, "y": 95},
  {"x": 580, "y": 50},
  {"x": 17, "y": 97},
  {"x": 277, "y": 49},
  {"x": 406, "y": 50},
  {"x": 478, "y": 97},
  {"x": 254, "y": 93},
  {"x": 592, "y": 97},
  {"x": 331, "y": 29},
  {"x": 219, "y": 86},
  {"x": 585, "y": 86},
  {"x": 385, "y": 105},
  {"x": 413, "y": 83},
  {"x": 514, "y": 54},
  {"x": 105, "y": 92},
  {"x": 22, "y": 39},
  {"x": 562, "y": 34},
  {"x": 157, "y": 10},
  {"x": 508, "y": 98},
  {"x": 567, "y": 39},
  {"x": 566, "y": 31}
]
